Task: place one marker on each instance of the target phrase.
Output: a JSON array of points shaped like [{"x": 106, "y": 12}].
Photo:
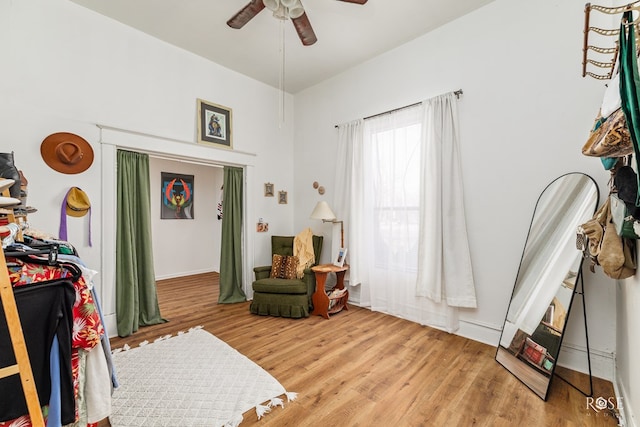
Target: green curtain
[
  {"x": 231, "y": 248},
  {"x": 136, "y": 296}
]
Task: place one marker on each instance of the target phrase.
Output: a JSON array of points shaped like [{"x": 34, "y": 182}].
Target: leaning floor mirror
[{"x": 546, "y": 282}]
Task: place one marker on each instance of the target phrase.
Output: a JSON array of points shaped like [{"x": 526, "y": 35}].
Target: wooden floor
[{"x": 362, "y": 368}]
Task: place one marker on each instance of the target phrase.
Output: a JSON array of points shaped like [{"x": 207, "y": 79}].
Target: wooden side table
[{"x": 324, "y": 304}]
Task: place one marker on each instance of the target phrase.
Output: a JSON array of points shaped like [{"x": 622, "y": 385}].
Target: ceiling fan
[{"x": 282, "y": 9}]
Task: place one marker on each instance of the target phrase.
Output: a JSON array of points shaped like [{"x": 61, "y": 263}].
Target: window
[{"x": 392, "y": 162}]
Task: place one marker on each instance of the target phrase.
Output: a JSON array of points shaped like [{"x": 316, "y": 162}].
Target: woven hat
[
  {"x": 75, "y": 203},
  {"x": 78, "y": 203},
  {"x": 66, "y": 153}
]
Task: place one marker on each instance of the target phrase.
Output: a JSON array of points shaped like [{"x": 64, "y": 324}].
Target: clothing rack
[
  {"x": 23, "y": 365},
  {"x": 604, "y": 53}
]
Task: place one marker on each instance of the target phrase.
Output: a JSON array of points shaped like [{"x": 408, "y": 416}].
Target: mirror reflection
[{"x": 546, "y": 280}]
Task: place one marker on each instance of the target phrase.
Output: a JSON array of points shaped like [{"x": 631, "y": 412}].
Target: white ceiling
[{"x": 347, "y": 33}]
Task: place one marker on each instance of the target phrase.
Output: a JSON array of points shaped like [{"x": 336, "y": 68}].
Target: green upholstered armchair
[{"x": 284, "y": 297}]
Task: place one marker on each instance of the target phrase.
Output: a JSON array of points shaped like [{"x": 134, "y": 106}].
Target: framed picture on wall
[
  {"x": 214, "y": 124},
  {"x": 268, "y": 189},
  {"x": 282, "y": 197},
  {"x": 177, "y": 196}
]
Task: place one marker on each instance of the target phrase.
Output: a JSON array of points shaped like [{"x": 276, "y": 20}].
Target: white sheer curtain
[
  {"x": 348, "y": 198},
  {"x": 445, "y": 272},
  {"x": 382, "y": 162}
]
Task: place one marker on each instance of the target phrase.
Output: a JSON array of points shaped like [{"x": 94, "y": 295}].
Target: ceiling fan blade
[
  {"x": 305, "y": 32},
  {"x": 246, "y": 14},
  {"x": 354, "y": 1}
]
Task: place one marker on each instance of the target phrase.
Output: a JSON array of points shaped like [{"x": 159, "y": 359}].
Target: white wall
[
  {"x": 185, "y": 247},
  {"x": 64, "y": 68},
  {"x": 525, "y": 114},
  {"x": 628, "y": 369}
]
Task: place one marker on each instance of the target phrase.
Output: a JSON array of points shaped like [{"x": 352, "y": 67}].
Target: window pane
[{"x": 395, "y": 162}]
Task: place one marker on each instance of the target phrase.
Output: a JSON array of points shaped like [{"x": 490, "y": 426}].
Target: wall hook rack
[{"x": 607, "y": 67}]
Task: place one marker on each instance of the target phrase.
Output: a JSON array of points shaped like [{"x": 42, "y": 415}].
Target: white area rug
[{"x": 192, "y": 379}]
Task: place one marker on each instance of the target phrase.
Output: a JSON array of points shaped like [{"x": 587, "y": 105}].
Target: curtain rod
[{"x": 457, "y": 93}]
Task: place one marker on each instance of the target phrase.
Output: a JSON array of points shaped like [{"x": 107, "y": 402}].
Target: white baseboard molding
[
  {"x": 482, "y": 332},
  {"x": 183, "y": 274},
  {"x": 627, "y": 415},
  {"x": 575, "y": 357}
]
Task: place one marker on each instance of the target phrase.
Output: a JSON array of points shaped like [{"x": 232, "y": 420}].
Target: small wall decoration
[
  {"x": 214, "y": 124},
  {"x": 261, "y": 226},
  {"x": 282, "y": 197},
  {"x": 177, "y": 196},
  {"x": 318, "y": 187},
  {"x": 268, "y": 189}
]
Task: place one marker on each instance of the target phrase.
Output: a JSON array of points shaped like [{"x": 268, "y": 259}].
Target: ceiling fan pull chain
[{"x": 282, "y": 73}]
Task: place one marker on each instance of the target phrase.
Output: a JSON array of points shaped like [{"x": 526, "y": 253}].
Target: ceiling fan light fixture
[
  {"x": 296, "y": 10},
  {"x": 281, "y": 12},
  {"x": 289, "y": 3},
  {"x": 272, "y": 5}
]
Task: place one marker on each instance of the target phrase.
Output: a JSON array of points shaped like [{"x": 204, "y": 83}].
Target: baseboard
[
  {"x": 574, "y": 357},
  {"x": 479, "y": 331},
  {"x": 183, "y": 274},
  {"x": 627, "y": 416}
]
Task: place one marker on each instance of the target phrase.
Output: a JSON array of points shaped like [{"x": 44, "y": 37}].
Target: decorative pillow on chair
[{"x": 284, "y": 267}]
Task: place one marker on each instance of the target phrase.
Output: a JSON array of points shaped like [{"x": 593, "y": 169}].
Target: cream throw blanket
[{"x": 303, "y": 249}]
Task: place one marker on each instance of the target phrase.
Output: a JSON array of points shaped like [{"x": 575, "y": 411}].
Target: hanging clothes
[
  {"x": 46, "y": 311},
  {"x": 85, "y": 332},
  {"x": 220, "y": 203}
]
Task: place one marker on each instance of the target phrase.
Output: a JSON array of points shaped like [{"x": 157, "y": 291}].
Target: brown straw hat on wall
[{"x": 66, "y": 153}]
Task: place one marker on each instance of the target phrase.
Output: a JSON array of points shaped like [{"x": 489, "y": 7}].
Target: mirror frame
[{"x": 529, "y": 375}]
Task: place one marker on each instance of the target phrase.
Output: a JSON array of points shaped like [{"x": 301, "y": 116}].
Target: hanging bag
[
  {"x": 624, "y": 223},
  {"x": 617, "y": 254},
  {"x": 609, "y": 137}
]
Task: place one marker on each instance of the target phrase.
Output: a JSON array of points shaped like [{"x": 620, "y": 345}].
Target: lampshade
[
  {"x": 281, "y": 12},
  {"x": 271, "y": 4},
  {"x": 323, "y": 211},
  {"x": 289, "y": 3},
  {"x": 296, "y": 10}
]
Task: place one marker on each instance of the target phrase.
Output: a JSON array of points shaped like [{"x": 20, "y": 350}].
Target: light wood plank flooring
[{"x": 361, "y": 368}]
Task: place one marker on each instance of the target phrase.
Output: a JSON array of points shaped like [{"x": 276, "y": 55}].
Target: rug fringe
[
  {"x": 291, "y": 396},
  {"x": 234, "y": 422},
  {"x": 162, "y": 338},
  {"x": 276, "y": 401},
  {"x": 166, "y": 337},
  {"x": 261, "y": 410}
]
